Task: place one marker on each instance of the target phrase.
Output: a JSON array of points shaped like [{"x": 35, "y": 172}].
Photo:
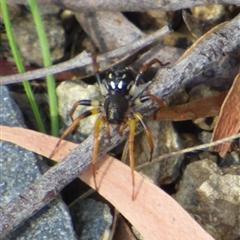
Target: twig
[
  {"x": 191, "y": 149},
  {"x": 209, "y": 51},
  {"x": 84, "y": 59},
  {"x": 127, "y": 5}
]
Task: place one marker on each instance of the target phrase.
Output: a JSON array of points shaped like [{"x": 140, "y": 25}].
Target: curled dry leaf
[{"x": 229, "y": 121}]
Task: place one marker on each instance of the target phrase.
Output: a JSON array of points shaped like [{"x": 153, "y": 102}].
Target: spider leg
[
  {"x": 93, "y": 103},
  {"x": 73, "y": 126},
  {"x": 134, "y": 91},
  {"x": 142, "y": 99},
  {"x": 147, "y": 97},
  {"x": 139, "y": 117},
  {"x": 121, "y": 127},
  {"x": 145, "y": 67},
  {"x": 84, "y": 102},
  {"x": 157, "y": 100},
  {"x": 106, "y": 125},
  {"x": 98, "y": 76},
  {"x": 95, "y": 147},
  {"x": 132, "y": 126},
  {"x": 139, "y": 100}
]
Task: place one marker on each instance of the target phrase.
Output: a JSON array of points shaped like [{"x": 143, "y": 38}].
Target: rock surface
[
  {"x": 19, "y": 169},
  {"x": 91, "y": 219},
  {"x": 213, "y": 198}
]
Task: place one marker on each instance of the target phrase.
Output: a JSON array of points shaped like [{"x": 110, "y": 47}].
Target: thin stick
[
  {"x": 84, "y": 59},
  {"x": 192, "y": 149}
]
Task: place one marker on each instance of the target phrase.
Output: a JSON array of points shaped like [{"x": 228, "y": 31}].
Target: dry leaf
[
  {"x": 154, "y": 213},
  {"x": 229, "y": 119},
  {"x": 39, "y": 143},
  {"x": 200, "y": 108}
]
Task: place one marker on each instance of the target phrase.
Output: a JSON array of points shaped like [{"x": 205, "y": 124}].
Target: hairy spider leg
[{"x": 73, "y": 126}]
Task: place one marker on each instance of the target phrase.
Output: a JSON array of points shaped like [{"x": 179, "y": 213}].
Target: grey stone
[
  {"x": 166, "y": 140},
  {"x": 19, "y": 169},
  {"x": 70, "y": 92},
  {"x": 213, "y": 198},
  {"x": 91, "y": 219}
]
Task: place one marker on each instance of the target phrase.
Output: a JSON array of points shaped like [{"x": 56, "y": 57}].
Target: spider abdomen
[{"x": 116, "y": 107}]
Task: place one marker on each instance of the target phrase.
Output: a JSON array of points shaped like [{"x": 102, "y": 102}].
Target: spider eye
[{"x": 110, "y": 75}]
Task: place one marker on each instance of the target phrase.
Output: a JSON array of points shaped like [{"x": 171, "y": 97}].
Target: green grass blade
[
  {"x": 20, "y": 66},
  {"x": 47, "y": 62}
]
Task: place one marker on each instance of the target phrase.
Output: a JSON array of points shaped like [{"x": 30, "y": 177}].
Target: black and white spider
[{"x": 122, "y": 92}]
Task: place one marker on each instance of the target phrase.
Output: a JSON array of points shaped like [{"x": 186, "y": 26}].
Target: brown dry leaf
[
  {"x": 200, "y": 108},
  {"x": 154, "y": 213},
  {"x": 229, "y": 119}
]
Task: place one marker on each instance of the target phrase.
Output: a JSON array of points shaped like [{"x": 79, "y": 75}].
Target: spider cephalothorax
[
  {"x": 117, "y": 83},
  {"x": 118, "y": 80},
  {"x": 121, "y": 91}
]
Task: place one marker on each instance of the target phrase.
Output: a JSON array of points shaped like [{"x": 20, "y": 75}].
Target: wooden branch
[
  {"x": 127, "y": 5},
  {"x": 205, "y": 54}
]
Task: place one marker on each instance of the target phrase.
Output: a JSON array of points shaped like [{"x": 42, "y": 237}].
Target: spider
[{"x": 122, "y": 92}]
